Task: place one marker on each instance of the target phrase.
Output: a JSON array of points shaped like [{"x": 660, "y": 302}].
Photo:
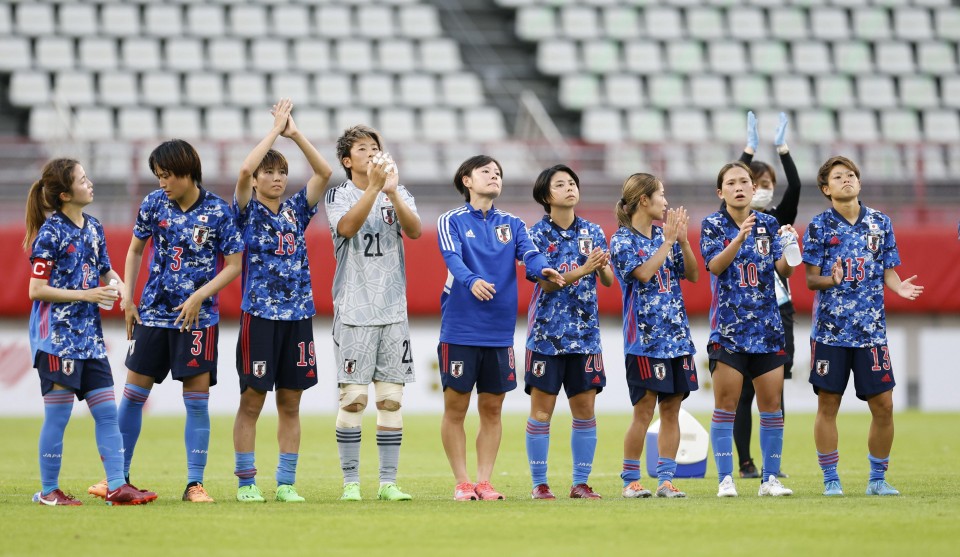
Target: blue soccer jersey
[
  {"x": 476, "y": 247},
  {"x": 276, "y": 272},
  {"x": 72, "y": 258},
  {"x": 744, "y": 316},
  {"x": 565, "y": 321},
  {"x": 186, "y": 254},
  {"x": 655, "y": 320},
  {"x": 851, "y": 313}
]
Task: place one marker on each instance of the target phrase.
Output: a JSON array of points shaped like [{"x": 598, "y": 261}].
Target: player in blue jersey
[
  {"x": 658, "y": 349},
  {"x": 275, "y": 347},
  {"x": 478, "y": 315},
  {"x": 851, "y": 253},
  {"x": 68, "y": 256},
  {"x": 742, "y": 251},
  {"x": 563, "y": 329},
  {"x": 196, "y": 251}
]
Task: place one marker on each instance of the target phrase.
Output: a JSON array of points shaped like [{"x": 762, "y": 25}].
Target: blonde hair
[{"x": 634, "y": 188}]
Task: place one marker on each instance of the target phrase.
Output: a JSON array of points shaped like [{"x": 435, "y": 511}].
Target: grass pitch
[{"x": 923, "y": 521}]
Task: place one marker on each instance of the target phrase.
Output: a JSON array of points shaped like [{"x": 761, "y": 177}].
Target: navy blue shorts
[
  {"x": 830, "y": 368},
  {"x": 577, "y": 373},
  {"x": 491, "y": 369},
  {"x": 666, "y": 377},
  {"x": 154, "y": 351},
  {"x": 80, "y": 376},
  {"x": 276, "y": 353},
  {"x": 750, "y": 366}
]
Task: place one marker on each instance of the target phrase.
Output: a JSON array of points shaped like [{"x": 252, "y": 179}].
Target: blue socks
[
  {"x": 538, "y": 445},
  {"x": 631, "y": 471},
  {"x": 287, "y": 468},
  {"x": 828, "y": 463},
  {"x": 103, "y": 408},
  {"x": 771, "y": 442},
  {"x": 721, "y": 437},
  {"x": 57, "y": 406},
  {"x": 244, "y": 468},
  {"x": 130, "y": 419},
  {"x": 196, "y": 434},
  {"x": 878, "y": 468},
  {"x": 583, "y": 445},
  {"x": 666, "y": 468}
]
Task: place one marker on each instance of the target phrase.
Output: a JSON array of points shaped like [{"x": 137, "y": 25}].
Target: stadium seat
[
  {"x": 810, "y": 58},
  {"x": 248, "y": 89},
  {"x": 247, "y": 20},
  {"x": 950, "y": 91},
  {"x": 829, "y": 24},
  {"x": 601, "y": 56},
  {"x": 116, "y": 89},
  {"x": 688, "y": 125},
  {"x": 900, "y": 125},
  {"x": 746, "y": 23},
  {"x": 624, "y": 159},
  {"x": 205, "y": 20},
  {"x": 912, "y": 24},
  {"x": 400, "y": 123},
  {"x": 666, "y": 91},
  {"x": 375, "y": 21},
  {"x": 663, "y": 23},
  {"x": 77, "y": 20},
  {"x": 750, "y": 91},
  {"x": 858, "y": 126},
  {"x": 140, "y": 54},
  {"x": 419, "y": 162},
  {"x": 535, "y": 23},
  {"x": 918, "y": 91},
  {"x": 93, "y": 124},
  {"x": 97, "y": 54},
  {"x": 727, "y": 57},
  {"x": 579, "y": 91},
  {"x": 353, "y": 55},
  {"x": 579, "y": 22},
  {"x": 331, "y": 89},
  {"x": 123, "y": 20},
  {"x": 14, "y": 54},
  {"x": 484, "y": 123},
  {"x": 163, "y": 20},
  {"x": 184, "y": 54},
  {"x": 181, "y": 122},
  {"x": 461, "y": 89},
  {"x": 34, "y": 19},
  {"x": 936, "y": 58},
  {"x": 224, "y": 123},
  {"x": 623, "y": 90},
  {"x": 708, "y": 91},
  {"x": 941, "y": 125},
  {"x": 48, "y": 124},
  {"x": 396, "y": 56},
  {"x": 290, "y": 21},
  {"x": 643, "y": 57},
  {"x": 834, "y": 91},
  {"x": 816, "y": 126},
  {"x": 315, "y": 123},
  {"x": 332, "y": 21},
  {"x": 557, "y": 56},
  {"x": 294, "y": 86},
  {"x": 227, "y": 54},
  {"x": 54, "y": 53},
  {"x": 876, "y": 91},
  {"x": 790, "y": 91},
  {"x": 203, "y": 89},
  {"x": 852, "y": 57},
  {"x": 871, "y": 24},
  {"x": 30, "y": 88},
  {"x": 160, "y": 89},
  {"x": 269, "y": 55},
  {"x": 768, "y": 57},
  {"x": 375, "y": 89},
  {"x": 311, "y": 55},
  {"x": 894, "y": 58},
  {"x": 729, "y": 125},
  {"x": 440, "y": 55},
  {"x": 439, "y": 124},
  {"x": 419, "y": 90},
  {"x": 74, "y": 88},
  {"x": 705, "y": 23},
  {"x": 788, "y": 23},
  {"x": 621, "y": 22},
  {"x": 6, "y": 20},
  {"x": 419, "y": 21},
  {"x": 947, "y": 20},
  {"x": 685, "y": 57},
  {"x": 601, "y": 125}
]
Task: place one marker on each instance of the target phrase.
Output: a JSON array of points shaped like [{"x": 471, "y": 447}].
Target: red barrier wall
[{"x": 931, "y": 253}]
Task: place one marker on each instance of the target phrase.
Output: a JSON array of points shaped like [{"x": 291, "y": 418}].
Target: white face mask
[{"x": 761, "y": 198}]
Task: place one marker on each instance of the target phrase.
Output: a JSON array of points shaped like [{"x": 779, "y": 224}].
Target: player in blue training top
[
  {"x": 478, "y": 316},
  {"x": 275, "y": 347},
  {"x": 658, "y": 350},
  {"x": 563, "y": 329},
  {"x": 68, "y": 256},
  {"x": 741, "y": 250},
  {"x": 850, "y": 252},
  {"x": 196, "y": 251}
]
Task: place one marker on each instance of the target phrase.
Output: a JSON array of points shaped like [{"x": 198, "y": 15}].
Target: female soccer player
[
  {"x": 563, "y": 329},
  {"x": 478, "y": 314},
  {"x": 275, "y": 347},
  {"x": 68, "y": 255},
  {"x": 658, "y": 349},
  {"x": 741, "y": 250}
]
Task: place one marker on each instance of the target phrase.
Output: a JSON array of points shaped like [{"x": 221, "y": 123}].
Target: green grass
[{"x": 923, "y": 521}]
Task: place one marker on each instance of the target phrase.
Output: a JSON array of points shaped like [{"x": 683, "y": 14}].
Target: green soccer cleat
[
  {"x": 390, "y": 492},
  {"x": 287, "y": 494},
  {"x": 250, "y": 494},
  {"x": 351, "y": 492}
]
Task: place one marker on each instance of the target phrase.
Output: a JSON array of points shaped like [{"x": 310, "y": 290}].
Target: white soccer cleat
[
  {"x": 773, "y": 488},
  {"x": 727, "y": 489}
]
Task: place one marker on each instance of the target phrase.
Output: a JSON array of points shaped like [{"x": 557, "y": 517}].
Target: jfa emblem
[
  {"x": 349, "y": 366},
  {"x": 585, "y": 243},
  {"x": 504, "y": 233},
  {"x": 822, "y": 367},
  {"x": 659, "y": 371},
  {"x": 389, "y": 214},
  {"x": 763, "y": 245},
  {"x": 200, "y": 234},
  {"x": 67, "y": 367},
  {"x": 539, "y": 367},
  {"x": 289, "y": 215},
  {"x": 456, "y": 369},
  {"x": 259, "y": 369},
  {"x": 873, "y": 242}
]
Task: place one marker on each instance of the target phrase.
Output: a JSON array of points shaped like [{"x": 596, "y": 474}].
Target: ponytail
[
  {"x": 44, "y": 195},
  {"x": 634, "y": 188}
]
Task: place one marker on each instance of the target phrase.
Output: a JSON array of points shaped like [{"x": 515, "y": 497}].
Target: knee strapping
[
  {"x": 353, "y": 399},
  {"x": 389, "y": 397}
]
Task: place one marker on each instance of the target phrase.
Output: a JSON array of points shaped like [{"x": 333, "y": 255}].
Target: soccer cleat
[
  {"x": 635, "y": 490},
  {"x": 54, "y": 498},
  {"x": 881, "y": 487},
  {"x": 250, "y": 494},
  {"x": 542, "y": 491},
  {"x": 390, "y": 492},
  {"x": 667, "y": 489},
  {"x": 196, "y": 494},
  {"x": 99, "y": 489},
  {"x": 773, "y": 488},
  {"x": 832, "y": 489},
  {"x": 727, "y": 488},
  {"x": 486, "y": 492},
  {"x": 749, "y": 470},
  {"x": 465, "y": 491},
  {"x": 126, "y": 494},
  {"x": 583, "y": 491},
  {"x": 351, "y": 492},
  {"x": 287, "y": 494}
]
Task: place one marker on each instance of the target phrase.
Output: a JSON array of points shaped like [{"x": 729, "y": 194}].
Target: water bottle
[
  {"x": 113, "y": 282},
  {"x": 791, "y": 249}
]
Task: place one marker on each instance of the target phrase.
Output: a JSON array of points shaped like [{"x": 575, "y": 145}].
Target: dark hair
[
  {"x": 634, "y": 187},
  {"x": 759, "y": 168},
  {"x": 44, "y": 195},
  {"x": 352, "y": 135},
  {"x": 178, "y": 158},
  {"x": 273, "y": 159},
  {"x": 823, "y": 175},
  {"x": 541, "y": 187},
  {"x": 730, "y": 166},
  {"x": 467, "y": 168}
]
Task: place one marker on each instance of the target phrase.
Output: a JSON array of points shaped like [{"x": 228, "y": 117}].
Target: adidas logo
[
  {"x": 311, "y": 373},
  {"x": 596, "y": 380},
  {"x": 193, "y": 363},
  {"x": 71, "y": 248},
  {"x": 693, "y": 377},
  {"x": 470, "y": 234},
  {"x": 511, "y": 377},
  {"x": 886, "y": 378}
]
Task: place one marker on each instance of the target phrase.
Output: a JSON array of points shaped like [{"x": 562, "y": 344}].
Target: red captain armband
[{"x": 41, "y": 269}]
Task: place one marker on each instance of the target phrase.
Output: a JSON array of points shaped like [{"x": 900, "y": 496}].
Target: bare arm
[
  {"x": 903, "y": 288},
  {"x": 131, "y": 269},
  {"x": 723, "y": 259},
  {"x": 596, "y": 262},
  {"x": 353, "y": 220},
  {"x": 321, "y": 168},
  {"x": 244, "y": 190},
  {"x": 409, "y": 221},
  {"x": 190, "y": 309},
  {"x": 816, "y": 281}
]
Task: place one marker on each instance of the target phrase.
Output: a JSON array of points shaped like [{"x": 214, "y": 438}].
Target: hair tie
[{"x": 623, "y": 201}]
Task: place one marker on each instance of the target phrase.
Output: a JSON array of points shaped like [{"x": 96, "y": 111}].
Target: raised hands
[
  {"x": 281, "y": 116},
  {"x": 753, "y": 136},
  {"x": 780, "y": 137}
]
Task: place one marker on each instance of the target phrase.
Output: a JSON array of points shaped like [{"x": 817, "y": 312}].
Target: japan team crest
[
  {"x": 539, "y": 368},
  {"x": 763, "y": 245},
  {"x": 200, "y": 234},
  {"x": 259, "y": 369},
  {"x": 67, "y": 367},
  {"x": 289, "y": 215},
  {"x": 822, "y": 368},
  {"x": 873, "y": 242},
  {"x": 389, "y": 214},
  {"x": 349, "y": 366},
  {"x": 504, "y": 233},
  {"x": 585, "y": 244},
  {"x": 456, "y": 369},
  {"x": 659, "y": 371}
]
